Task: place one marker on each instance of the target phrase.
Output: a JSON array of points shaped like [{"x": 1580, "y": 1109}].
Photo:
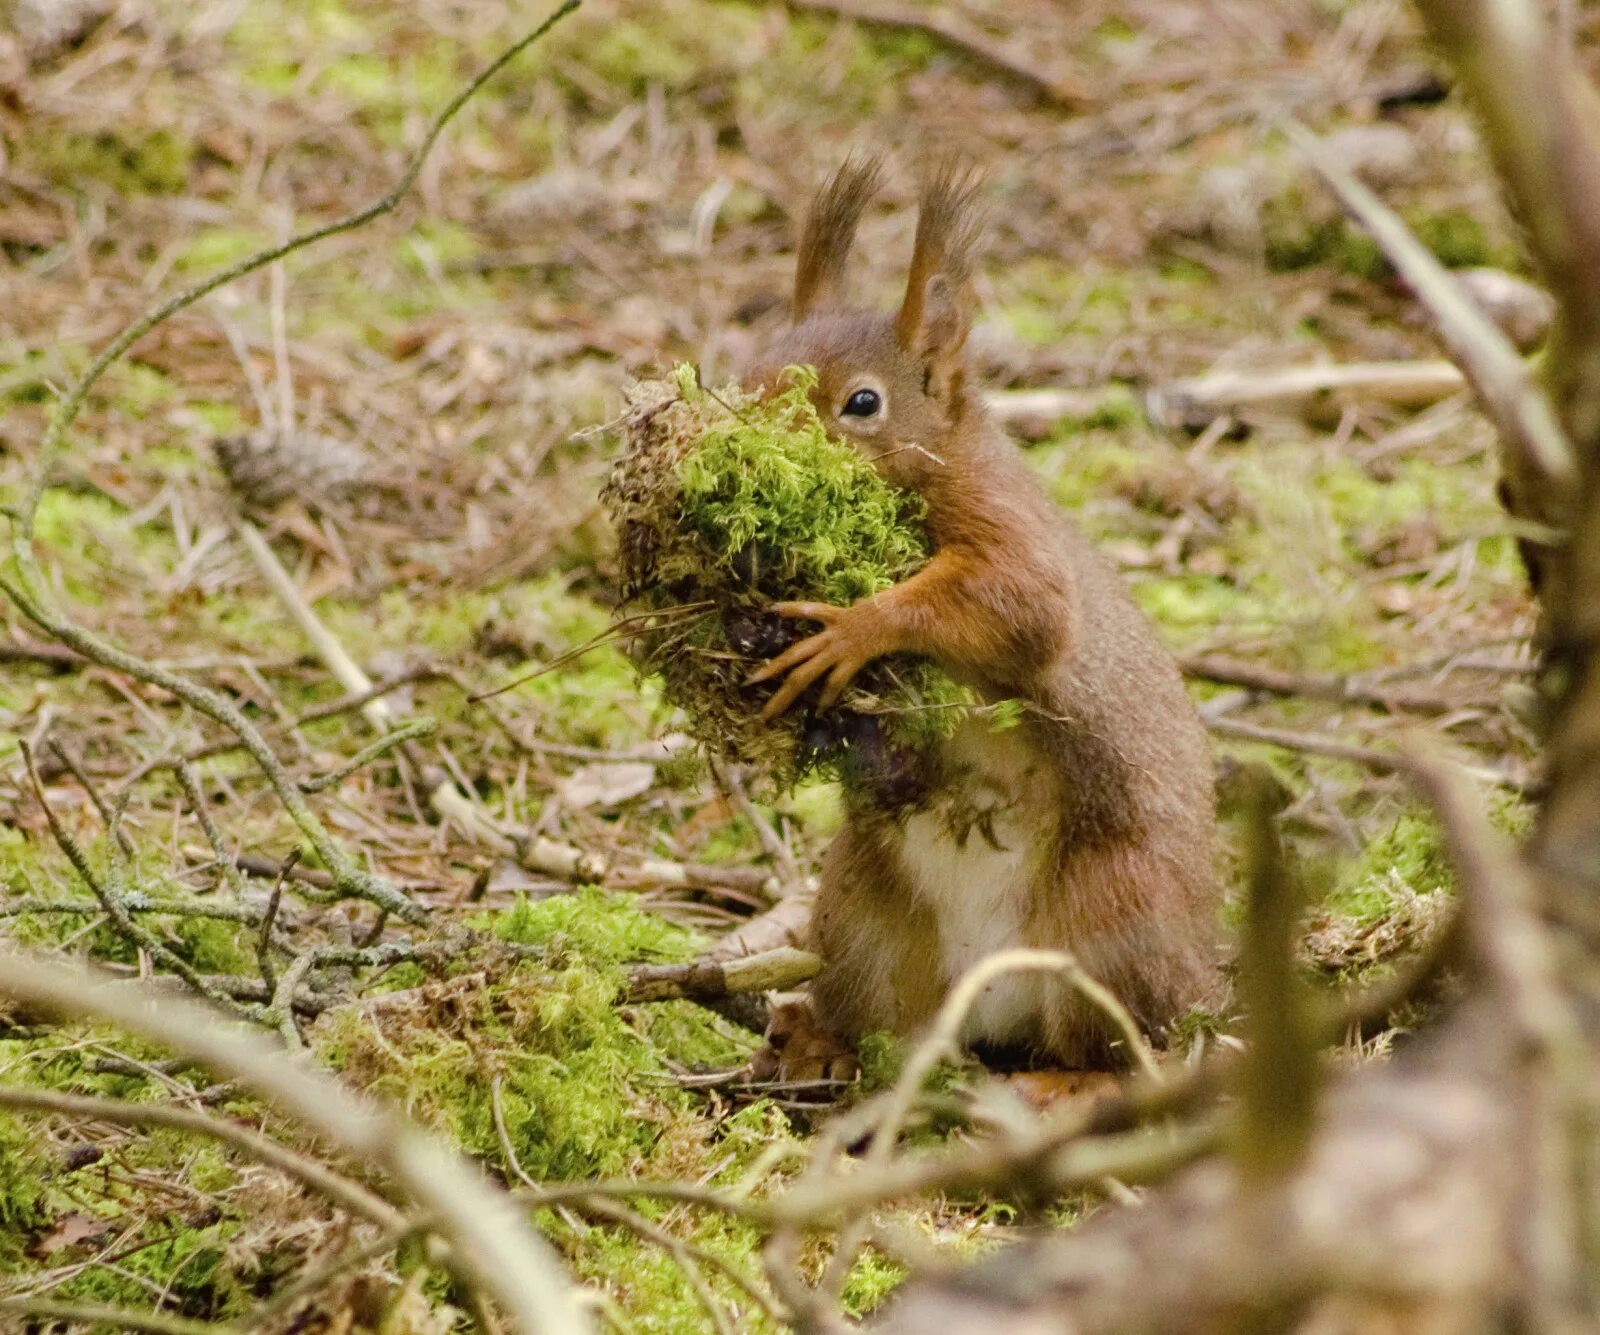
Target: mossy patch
[
  {"x": 725, "y": 505},
  {"x": 582, "y": 1086},
  {"x": 22, "y": 1189},
  {"x": 1297, "y": 236},
  {"x": 127, "y": 160},
  {"x": 539, "y": 1060}
]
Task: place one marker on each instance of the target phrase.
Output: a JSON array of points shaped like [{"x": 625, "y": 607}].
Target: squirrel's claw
[
  {"x": 817, "y": 658},
  {"x": 826, "y": 613}
]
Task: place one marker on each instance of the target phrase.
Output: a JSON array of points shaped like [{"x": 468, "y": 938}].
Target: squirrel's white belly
[{"x": 971, "y": 860}]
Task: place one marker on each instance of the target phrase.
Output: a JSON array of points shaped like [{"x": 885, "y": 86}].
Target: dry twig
[
  {"x": 1348, "y": 690},
  {"x": 708, "y": 979}
]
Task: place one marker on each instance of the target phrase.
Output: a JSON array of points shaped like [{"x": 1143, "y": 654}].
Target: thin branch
[
  {"x": 1383, "y": 762},
  {"x": 772, "y": 843},
  {"x": 375, "y": 709},
  {"x": 136, "y": 902},
  {"x": 628, "y": 627},
  {"x": 280, "y": 1010},
  {"x": 409, "y": 732},
  {"x": 108, "y": 816},
  {"x": 343, "y": 705},
  {"x": 202, "y": 813},
  {"x": 960, "y": 36},
  {"x": 1040, "y": 1167},
  {"x": 56, "y": 656},
  {"x": 111, "y": 901},
  {"x": 1346, "y": 690},
  {"x": 264, "y": 936}
]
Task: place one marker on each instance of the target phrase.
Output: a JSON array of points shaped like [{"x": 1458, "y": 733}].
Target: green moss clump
[
  {"x": 724, "y": 505},
  {"x": 22, "y": 1188},
  {"x": 1409, "y": 857},
  {"x": 774, "y": 488},
  {"x": 129, "y": 162},
  {"x": 872, "y": 1279},
  {"x": 584, "y": 1086},
  {"x": 602, "y": 929}
]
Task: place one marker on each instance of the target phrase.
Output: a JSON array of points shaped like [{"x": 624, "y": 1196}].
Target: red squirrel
[{"x": 1090, "y": 825}]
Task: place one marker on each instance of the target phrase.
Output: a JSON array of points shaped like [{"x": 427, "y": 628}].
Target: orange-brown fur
[{"x": 1110, "y": 769}]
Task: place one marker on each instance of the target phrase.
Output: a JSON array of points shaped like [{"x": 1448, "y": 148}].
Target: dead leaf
[
  {"x": 606, "y": 783},
  {"x": 71, "y": 1230}
]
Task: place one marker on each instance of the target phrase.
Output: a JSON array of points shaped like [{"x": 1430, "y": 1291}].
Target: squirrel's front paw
[
  {"x": 848, "y": 641},
  {"x": 800, "y": 1048}
]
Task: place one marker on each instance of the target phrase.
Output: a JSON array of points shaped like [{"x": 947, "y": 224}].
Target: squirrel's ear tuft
[
  {"x": 829, "y": 231},
  {"x": 947, "y": 316},
  {"x": 937, "y": 310}
]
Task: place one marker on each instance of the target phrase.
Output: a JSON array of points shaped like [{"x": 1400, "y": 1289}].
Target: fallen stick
[
  {"x": 660, "y": 871},
  {"x": 1196, "y": 402},
  {"x": 1031, "y": 411},
  {"x": 786, "y": 924},
  {"x": 708, "y": 978},
  {"x": 1193, "y": 403},
  {"x": 56, "y": 656},
  {"x": 1314, "y": 686},
  {"x": 1384, "y": 762}
]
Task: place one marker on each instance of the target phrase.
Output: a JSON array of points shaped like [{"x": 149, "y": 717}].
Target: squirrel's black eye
[{"x": 863, "y": 403}]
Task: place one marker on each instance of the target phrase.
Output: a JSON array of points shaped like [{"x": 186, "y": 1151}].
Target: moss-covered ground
[{"x": 623, "y": 199}]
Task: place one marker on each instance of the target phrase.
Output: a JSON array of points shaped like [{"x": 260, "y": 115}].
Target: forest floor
[{"x": 422, "y": 406}]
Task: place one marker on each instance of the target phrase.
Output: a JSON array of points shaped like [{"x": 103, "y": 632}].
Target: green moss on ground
[
  {"x": 63, "y": 1197},
  {"x": 584, "y": 1086},
  {"x": 127, "y": 160},
  {"x": 539, "y": 1058},
  {"x": 24, "y": 1198}
]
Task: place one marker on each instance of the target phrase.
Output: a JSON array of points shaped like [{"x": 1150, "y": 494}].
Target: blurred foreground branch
[{"x": 491, "y": 1249}]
